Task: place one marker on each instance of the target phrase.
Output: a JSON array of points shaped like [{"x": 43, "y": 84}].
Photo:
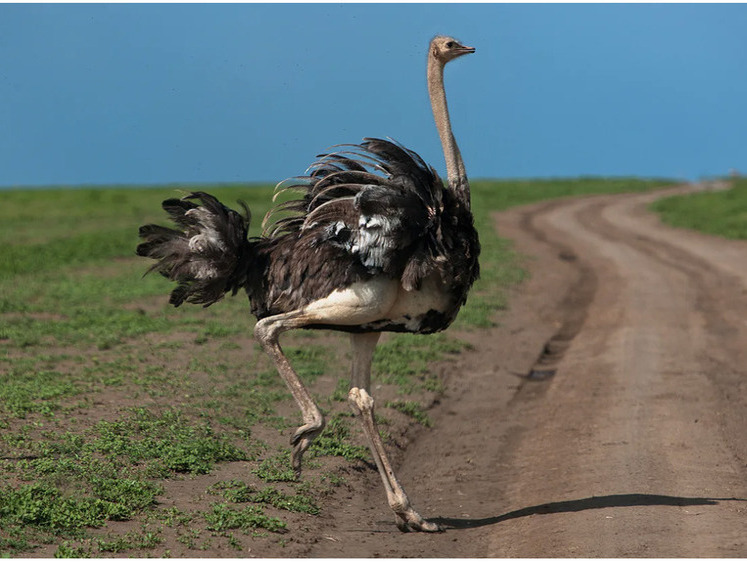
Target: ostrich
[{"x": 376, "y": 243}]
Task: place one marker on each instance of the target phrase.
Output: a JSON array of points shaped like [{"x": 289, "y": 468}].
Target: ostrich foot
[
  {"x": 411, "y": 521},
  {"x": 302, "y": 439}
]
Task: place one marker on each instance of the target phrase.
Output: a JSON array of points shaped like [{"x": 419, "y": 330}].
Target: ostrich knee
[
  {"x": 360, "y": 401},
  {"x": 266, "y": 333}
]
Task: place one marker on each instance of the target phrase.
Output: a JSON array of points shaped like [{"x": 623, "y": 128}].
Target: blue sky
[{"x": 145, "y": 93}]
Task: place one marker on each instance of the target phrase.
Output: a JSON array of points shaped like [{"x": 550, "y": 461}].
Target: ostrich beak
[{"x": 466, "y": 50}]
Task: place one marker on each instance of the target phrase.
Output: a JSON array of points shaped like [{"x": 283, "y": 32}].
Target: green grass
[
  {"x": 109, "y": 472},
  {"x": 722, "y": 213},
  {"x": 24, "y": 390},
  {"x": 334, "y": 440},
  {"x": 237, "y": 491},
  {"x": 167, "y": 443},
  {"x": 276, "y": 469},
  {"x": 69, "y": 268},
  {"x": 403, "y": 360},
  {"x": 223, "y": 517},
  {"x": 107, "y": 394},
  {"x": 45, "y": 507},
  {"x": 129, "y": 541},
  {"x": 413, "y": 409}
]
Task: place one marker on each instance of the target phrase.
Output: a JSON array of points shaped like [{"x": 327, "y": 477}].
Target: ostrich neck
[{"x": 455, "y": 171}]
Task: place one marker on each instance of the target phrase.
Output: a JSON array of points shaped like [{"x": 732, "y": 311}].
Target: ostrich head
[{"x": 445, "y": 49}]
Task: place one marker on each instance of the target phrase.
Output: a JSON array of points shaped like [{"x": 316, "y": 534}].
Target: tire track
[
  {"x": 639, "y": 405},
  {"x": 575, "y": 303},
  {"x": 720, "y": 293}
]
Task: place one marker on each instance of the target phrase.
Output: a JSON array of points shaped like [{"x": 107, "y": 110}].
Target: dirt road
[{"x": 605, "y": 417}]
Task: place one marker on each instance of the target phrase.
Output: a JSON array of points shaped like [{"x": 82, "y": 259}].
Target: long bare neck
[{"x": 455, "y": 171}]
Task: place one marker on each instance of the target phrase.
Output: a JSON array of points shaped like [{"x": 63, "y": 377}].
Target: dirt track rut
[{"x": 605, "y": 417}]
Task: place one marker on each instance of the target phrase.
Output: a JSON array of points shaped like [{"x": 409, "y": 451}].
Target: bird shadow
[{"x": 571, "y": 506}]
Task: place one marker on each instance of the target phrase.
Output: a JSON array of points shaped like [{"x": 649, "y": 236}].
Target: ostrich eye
[{"x": 450, "y": 44}]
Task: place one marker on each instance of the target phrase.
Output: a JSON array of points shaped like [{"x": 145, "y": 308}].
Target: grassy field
[
  {"x": 723, "y": 213},
  {"x": 129, "y": 428}
]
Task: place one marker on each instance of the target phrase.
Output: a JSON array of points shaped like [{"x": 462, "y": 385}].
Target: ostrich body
[{"x": 376, "y": 243}]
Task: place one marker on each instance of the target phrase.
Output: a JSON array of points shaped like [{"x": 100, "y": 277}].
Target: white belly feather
[{"x": 378, "y": 303}]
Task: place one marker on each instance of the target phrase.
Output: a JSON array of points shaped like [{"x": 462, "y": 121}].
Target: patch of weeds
[
  {"x": 23, "y": 392},
  {"x": 68, "y": 550},
  {"x": 135, "y": 494},
  {"x": 207, "y": 544},
  {"x": 168, "y": 441},
  {"x": 144, "y": 539},
  {"x": 334, "y": 480},
  {"x": 189, "y": 538},
  {"x": 239, "y": 492},
  {"x": 85, "y": 479},
  {"x": 334, "y": 441},
  {"x": 276, "y": 469},
  {"x": 95, "y": 479},
  {"x": 234, "y": 543},
  {"x": 13, "y": 544},
  {"x": 120, "y": 544},
  {"x": 59, "y": 445},
  {"x": 173, "y": 517},
  {"x": 234, "y": 491},
  {"x": 45, "y": 507},
  {"x": 433, "y": 384},
  {"x": 412, "y": 409},
  {"x": 223, "y": 518},
  {"x": 298, "y": 503},
  {"x": 18, "y": 439},
  {"x": 147, "y": 539}
]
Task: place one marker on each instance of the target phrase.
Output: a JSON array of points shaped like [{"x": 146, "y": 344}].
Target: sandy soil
[{"x": 605, "y": 417}]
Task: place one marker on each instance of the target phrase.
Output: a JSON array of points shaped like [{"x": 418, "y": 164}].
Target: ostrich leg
[
  {"x": 267, "y": 332},
  {"x": 357, "y": 304},
  {"x": 362, "y": 403}
]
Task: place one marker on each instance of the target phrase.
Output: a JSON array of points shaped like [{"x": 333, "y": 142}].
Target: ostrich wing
[{"x": 377, "y": 201}]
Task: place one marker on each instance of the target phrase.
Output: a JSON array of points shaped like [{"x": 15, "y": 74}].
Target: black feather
[
  {"x": 209, "y": 256},
  {"x": 384, "y": 205}
]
